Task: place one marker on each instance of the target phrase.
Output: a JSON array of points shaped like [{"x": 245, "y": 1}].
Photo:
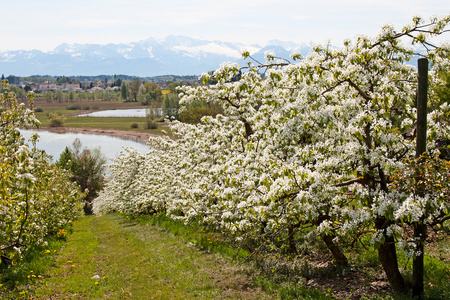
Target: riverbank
[{"x": 140, "y": 137}]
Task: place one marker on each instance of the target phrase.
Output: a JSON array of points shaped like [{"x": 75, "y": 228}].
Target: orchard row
[{"x": 326, "y": 142}]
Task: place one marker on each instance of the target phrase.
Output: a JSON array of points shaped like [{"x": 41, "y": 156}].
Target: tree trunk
[
  {"x": 388, "y": 258},
  {"x": 418, "y": 265},
  {"x": 340, "y": 258},
  {"x": 291, "y": 241}
]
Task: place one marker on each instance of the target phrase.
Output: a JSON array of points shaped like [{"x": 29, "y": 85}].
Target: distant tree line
[
  {"x": 108, "y": 78},
  {"x": 158, "y": 93}
]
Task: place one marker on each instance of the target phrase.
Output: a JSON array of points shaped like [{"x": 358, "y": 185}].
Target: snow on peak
[{"x": 210, "y": 48}]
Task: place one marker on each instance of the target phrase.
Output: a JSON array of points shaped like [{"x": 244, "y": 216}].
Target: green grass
[
  {"x": 116, "y": 123},
  {"x": 119, "y": 257},
  {"x": 17, "y": 280},
  {"x": 437, "y": 273},
  {"x": 93, "y": 105},
  {"x": 139, "y": 261},
  {"x": 120, "y": 123},
  {"x": 213, "y": 242},
  {"x": 196, "y": 235}
]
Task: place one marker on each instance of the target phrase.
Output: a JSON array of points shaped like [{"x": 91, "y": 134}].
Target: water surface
[
  {"x": 55, "y": 143},
  {"x": 131, "y": 112}
]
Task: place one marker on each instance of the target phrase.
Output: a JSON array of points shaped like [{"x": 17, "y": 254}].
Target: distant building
[
  {"x": 72, "y": 87},
  {"x": 13, "y": 80},
  {"x": 97, "y": 89},
  {"x": 47, "y": 87}
]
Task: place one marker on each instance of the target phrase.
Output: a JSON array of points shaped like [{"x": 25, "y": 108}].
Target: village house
[
  {"x": 47, "y": 87},
  {"x": 72, "y": 87}
]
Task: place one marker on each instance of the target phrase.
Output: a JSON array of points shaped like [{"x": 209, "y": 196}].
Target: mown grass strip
[
  {"x": 211, "y": 241},
  {"x": 114, "y": 258}
]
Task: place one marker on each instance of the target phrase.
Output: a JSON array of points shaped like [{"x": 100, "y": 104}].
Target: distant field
[
  {"x": 93, "y": 105},
  {"x": 120, "y": 123}
]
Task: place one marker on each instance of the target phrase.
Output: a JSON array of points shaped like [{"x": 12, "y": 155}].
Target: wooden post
[
  {"x": 421, "y": 148},
  {"x": 422, "y": 94}
]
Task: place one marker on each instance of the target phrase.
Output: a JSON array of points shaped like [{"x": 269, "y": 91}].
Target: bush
[
  {"x": 55, "y": 119},
  {"x": 134, "y": 125},
  {"x": 151, "y": 124},
  {"x": 73, "y": 107},
  {"x": 86, "y": 107},
  {"x": 39, "y": 109}
]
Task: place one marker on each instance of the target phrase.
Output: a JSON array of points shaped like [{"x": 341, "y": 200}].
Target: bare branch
[
  {"x": 350, "y": 182},
  {"x": 360, "y": 91}
]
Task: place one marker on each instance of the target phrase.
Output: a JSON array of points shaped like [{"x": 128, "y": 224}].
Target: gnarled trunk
[
  {"x": 387, "y": 254},
  {"x": 388, "y": 258},
  {"x": 340, "y": 258}
]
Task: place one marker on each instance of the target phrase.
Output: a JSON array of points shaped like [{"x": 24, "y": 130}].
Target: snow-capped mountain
[{"x": 174, "y": 55}]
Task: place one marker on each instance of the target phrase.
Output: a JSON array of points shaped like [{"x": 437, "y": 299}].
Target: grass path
[{"x": 110, "y": 257}]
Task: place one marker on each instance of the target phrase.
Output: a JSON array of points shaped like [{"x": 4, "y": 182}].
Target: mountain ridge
[{"x": 173, "y": 55}]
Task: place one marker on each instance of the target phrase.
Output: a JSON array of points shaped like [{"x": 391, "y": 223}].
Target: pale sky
[{"x": 45, "y": 24}]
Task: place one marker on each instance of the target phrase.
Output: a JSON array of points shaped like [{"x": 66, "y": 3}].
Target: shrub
[
  {"x": 134, "y": 125},
  {"x": 39, "y": 109},
  {"x": 151, "y": 124},
  {"x": 73, "y": 107},
  {"x": 86, "y": 107},
  {"x": 55, "y": 119}
]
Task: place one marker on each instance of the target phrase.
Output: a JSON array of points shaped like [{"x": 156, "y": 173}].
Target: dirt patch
[{"x": 352, "y": 286}]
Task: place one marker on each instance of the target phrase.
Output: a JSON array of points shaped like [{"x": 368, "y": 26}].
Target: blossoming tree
[
  {"x": 36, "y": 197},
  {"x": 314, "y": 143}
]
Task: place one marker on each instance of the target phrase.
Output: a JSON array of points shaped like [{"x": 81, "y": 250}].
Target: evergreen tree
[
  {"x": 123, "y": 91},
  {"x": 87, "y": 167}
]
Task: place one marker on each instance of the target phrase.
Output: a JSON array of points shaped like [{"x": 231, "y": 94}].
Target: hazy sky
[{"x": 45, "y": 24}]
